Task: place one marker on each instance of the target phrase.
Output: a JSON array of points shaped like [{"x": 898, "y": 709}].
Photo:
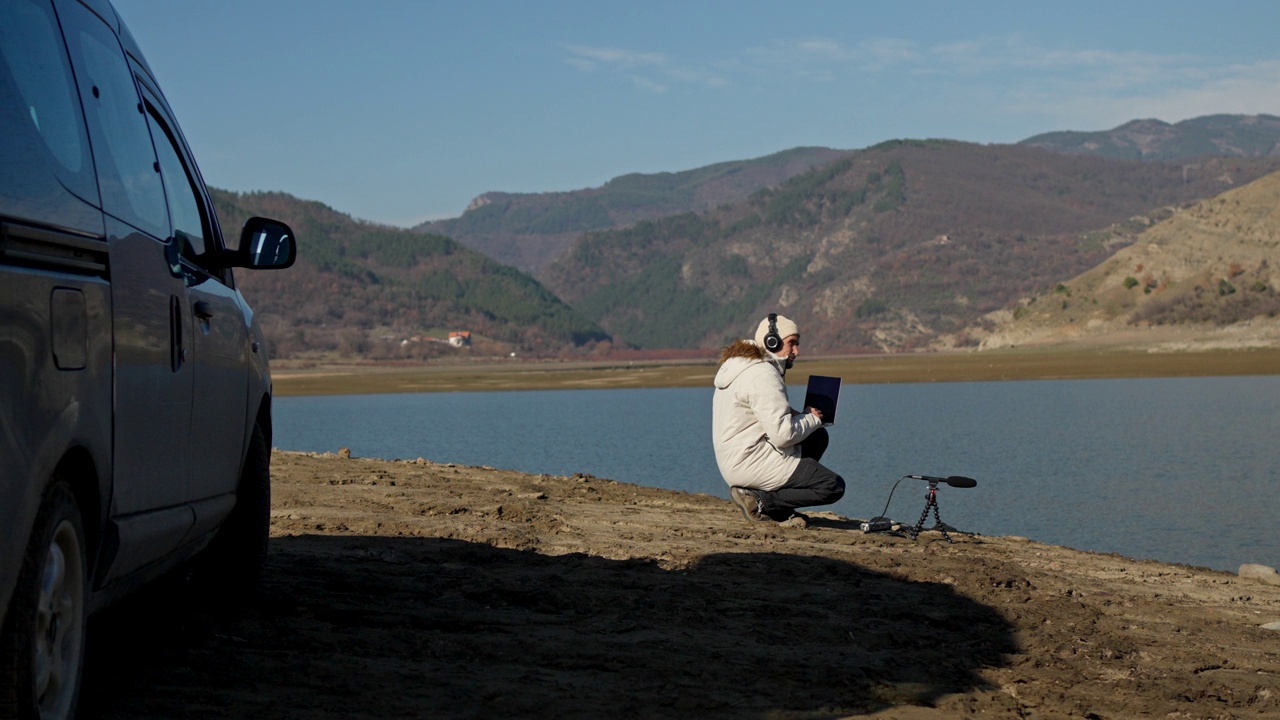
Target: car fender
[{"x": 73, "y": 432}]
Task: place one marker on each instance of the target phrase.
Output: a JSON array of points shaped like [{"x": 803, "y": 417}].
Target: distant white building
[{"x": 460, "y": 338}]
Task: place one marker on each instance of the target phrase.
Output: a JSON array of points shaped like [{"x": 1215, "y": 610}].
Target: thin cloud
[
  {"x": 651, "y": 71},
  {"x": 648, "y": 84},
  {"x": 887, "y": 52},
  {"x": 1012, "y": 54},
  {"x": 615, "y": 57},
  {"x": 819, "y": 59},
  {"x": 582, "y": 64},
  {"x": 1054, "y": 86}
]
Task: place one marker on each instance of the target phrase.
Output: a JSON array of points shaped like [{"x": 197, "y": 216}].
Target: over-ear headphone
[{"x": 772, "y": 342}]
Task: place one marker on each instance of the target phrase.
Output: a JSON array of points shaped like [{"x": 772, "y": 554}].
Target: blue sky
[{"x": 399, "y": 111}]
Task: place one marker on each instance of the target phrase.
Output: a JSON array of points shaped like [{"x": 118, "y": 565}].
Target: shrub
[
  {"x": 870, "y": 308},
  {"x": 1130, "y": 282}
]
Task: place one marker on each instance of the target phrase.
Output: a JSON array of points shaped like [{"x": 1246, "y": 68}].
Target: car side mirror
[{"x": 266, "y": 244}]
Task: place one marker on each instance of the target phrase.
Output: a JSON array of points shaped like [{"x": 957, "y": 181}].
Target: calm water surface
[{"x": 1179, "y": 470}]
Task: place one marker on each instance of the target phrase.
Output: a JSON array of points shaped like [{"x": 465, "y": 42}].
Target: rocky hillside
[
  {"x": 531, "y": 230},
  {"x": 361, "y": 289},
  {"x": 900, "y": 246},
  {"x": 1211, "y": 135},
  {"x": 1206, "y": 276}
]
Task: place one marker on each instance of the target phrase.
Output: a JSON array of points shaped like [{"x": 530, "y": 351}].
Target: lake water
[{"x": 1179, "y": 470}]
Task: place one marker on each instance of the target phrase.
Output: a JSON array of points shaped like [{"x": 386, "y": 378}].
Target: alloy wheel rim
[{"x": 59, "y": 616}]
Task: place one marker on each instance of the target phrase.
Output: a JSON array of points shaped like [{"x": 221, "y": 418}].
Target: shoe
[
  {"x": 795, "y": 521},
  {"x": 747, "y": 502}
]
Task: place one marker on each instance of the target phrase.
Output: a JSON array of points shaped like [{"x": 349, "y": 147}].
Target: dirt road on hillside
[{"x": 405, "y": 589}]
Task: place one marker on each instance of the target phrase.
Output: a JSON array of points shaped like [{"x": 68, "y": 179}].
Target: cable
[{"x": 886, "y": 502}]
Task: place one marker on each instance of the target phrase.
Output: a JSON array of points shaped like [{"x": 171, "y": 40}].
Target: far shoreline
[{"x": 356, "y": 378}]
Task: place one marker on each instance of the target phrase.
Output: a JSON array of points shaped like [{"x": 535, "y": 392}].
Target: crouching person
[{"x": 767, "y": 452}]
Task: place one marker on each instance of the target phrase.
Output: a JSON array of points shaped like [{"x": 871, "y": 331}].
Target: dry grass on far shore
[{"x": 924, "y": 367}]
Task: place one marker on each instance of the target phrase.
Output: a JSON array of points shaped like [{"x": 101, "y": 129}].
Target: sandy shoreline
[
  {"x": 413, "y": 589},
  {"x": 1031, "y": 364}
]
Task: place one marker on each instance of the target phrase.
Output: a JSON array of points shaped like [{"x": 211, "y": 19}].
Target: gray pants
[{"x": 811, "y": 484}]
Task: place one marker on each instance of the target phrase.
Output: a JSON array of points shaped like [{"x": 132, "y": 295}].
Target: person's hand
[{"x": 814, "y": 411}]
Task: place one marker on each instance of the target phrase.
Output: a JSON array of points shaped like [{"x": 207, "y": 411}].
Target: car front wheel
[{"x": 42, "y": 643}]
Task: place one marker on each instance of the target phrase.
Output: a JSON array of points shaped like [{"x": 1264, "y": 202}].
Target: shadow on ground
[{"x": 372, "y": 627}]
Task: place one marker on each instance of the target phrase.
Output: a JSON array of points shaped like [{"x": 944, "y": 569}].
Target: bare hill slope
[{"x": 1205, "y": 277}]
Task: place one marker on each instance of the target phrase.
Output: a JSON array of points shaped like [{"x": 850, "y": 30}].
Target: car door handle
[
  {"x": 177, "y": 351},
  {"x": 202, "y": 309}
]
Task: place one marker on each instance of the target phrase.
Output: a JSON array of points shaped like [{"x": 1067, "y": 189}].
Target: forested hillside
[
  {"x": 376, "y": 291},
  {"x": 530, "y": 230},
  {"x": 899, "y": 246}
]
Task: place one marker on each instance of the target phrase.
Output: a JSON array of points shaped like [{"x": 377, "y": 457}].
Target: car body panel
[
  {"x": 130, "y": 365},
  {"x": 45, "y": 410}
]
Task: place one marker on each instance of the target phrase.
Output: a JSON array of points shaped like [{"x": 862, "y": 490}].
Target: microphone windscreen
[{"x": 961, "y": 481}]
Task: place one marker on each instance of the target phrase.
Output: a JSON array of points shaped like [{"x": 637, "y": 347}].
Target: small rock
[
  {"x": 1271, "y": 626},
  {"x": 344, "y": 453},
  {"x": 1262, "y": 573}
]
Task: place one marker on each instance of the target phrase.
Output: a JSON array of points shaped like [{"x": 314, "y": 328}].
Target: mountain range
[
  {"x": 1211, "y": 135},
  {"x": 908, "y": 244},
  {"x": 900, "y": 246},
  {"x": 530, "y": 230}
]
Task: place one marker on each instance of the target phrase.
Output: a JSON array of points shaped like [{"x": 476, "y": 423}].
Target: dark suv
[{"x": 135, "y": 399}]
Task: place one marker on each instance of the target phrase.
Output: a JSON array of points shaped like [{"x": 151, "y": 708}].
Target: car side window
[
  {"x": 190, "y": 226},
  {"x": 32, "y": 49},
  {"x": 128, "y": 174}
]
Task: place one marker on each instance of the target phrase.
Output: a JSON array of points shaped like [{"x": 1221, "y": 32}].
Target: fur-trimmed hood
[
  {"x": 743, "y": 349},
  {"x": 739, "y": 355}
]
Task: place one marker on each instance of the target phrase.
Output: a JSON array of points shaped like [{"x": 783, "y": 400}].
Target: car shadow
[{"x": 355, "y": 626}]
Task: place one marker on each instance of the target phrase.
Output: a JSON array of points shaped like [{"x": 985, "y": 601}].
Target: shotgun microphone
[{"x": 958, "y": 481}]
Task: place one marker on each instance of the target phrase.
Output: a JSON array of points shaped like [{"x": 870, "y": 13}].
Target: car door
[
  {"x": 150, "y": 308},
  {"x": 217, "y": 350}
]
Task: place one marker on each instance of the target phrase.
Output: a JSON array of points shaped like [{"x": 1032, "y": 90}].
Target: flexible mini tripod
[{"x": 931, "y": 501}]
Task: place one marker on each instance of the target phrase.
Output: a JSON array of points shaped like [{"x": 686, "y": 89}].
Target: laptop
[{"x": 823, "y": 393}]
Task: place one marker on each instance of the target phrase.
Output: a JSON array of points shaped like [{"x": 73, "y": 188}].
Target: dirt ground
[{"x": 402, "y": 589}]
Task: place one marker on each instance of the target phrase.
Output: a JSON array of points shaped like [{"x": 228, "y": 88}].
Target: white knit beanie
[{"x": 786, "y": 328}]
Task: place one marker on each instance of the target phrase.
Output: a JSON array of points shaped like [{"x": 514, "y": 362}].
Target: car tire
[
  {"x": 232, "y": 564},
  {"x": 42, "y": 643}
]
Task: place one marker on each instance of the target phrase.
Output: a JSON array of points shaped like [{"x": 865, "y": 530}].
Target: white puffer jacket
[{"x": 756, "y": 434}]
